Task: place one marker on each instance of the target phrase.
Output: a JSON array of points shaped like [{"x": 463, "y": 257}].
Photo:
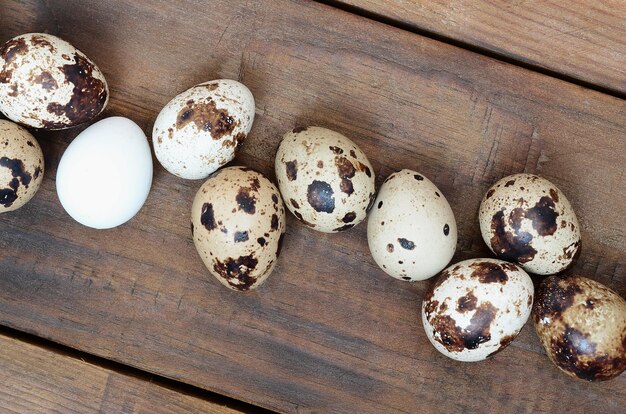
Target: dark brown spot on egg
[
  {"x": 274, "y": 223},
  {"x": 446, "y": 229},
  {"x": 418, "y": 177},
  {"x": 207, "y": 217},
  {"x": 336, "y": 150},
  {"x": 555, "y": 195},
  {"x": 46, "y": 81},
  {"x": 237, "y": 271},
  {"x": 430, "y": 306},
  {"x": 591, "y": 303},
  {"x": 89, "y": 94},
  {"x": 514, "y": 246},
  {"x": 37, "y": 172},
  {"x": 364, "y": 168},
  {"x": 346, "y": 186},
  {"x": 406, "y": 278},
  {"x": 191, "y": 229},
  {"x": 294, "y": 203},
  {"x": 291, "y": 169},
  {"x": 490, "y": 193},
  {"x": 170, "y": 133},
  {"x": 466, "y": 302},
  {"x": 320, "y": 164},
  {"x": 346, "y": 171},
  {"x": 211, "y": 86},
  {"x": 406, "y": 244},
  {"x": 563, "y": 224},
  {"x": 261, "y": 241},
  {"x": 245, "y": 200},
  {"x": 575, "y": 353},
  {"x": 349, "y": 217},
  {"x": 489, "y": 272},
  {"x": 457, "y": 339},
  {"x": 13, "y": 48},
  {"x": 543, "y": 216},
  {"x": 352, "y": 154},
  {"x": 509, "y": 183},
  {"x": 380, "y": 203},
  {"x": 321, "y": 197},
  {"x": 275, "y": 198},
  {"x": 437, "y": 194},
  {"x": 37, "y": 40},
  {"x": 240, "y": 236},
  {"x": 390, "y": 248},
  {"x": 504, "y": 342},
  {"x": 20, "y": 175},
  {"x": 207, "y": 117},
  {"x": 299, "y": 129},
  {"x": 554, "y": 296}
]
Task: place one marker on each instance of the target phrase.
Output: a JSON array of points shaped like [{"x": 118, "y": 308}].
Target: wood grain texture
[
  {"x": 328, "y": 331},
  {"x": 583, "y": 39},
  {"x": 36, "y": 380}
]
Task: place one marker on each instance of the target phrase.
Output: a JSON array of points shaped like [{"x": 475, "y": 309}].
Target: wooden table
[{"x": 129, "y": 320}]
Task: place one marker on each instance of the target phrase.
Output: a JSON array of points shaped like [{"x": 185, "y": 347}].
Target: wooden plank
[
  {"x": 37, "y": 380},
  {"x": 583, "y": 39},
  {"x": 328, "y": 331}
]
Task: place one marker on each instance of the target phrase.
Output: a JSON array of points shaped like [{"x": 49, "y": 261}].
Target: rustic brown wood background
[{"x": 328, "y": 331}]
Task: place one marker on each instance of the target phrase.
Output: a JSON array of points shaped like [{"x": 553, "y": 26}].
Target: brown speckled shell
[
  {"x": 582, "y": 326},
  {"x": 476, "y": 308},
  {"x": 238, "y": 224},
  {"x": 21, "y": 166},
  {"x": 326, "y": 180},
  {"x": 47, "y": 83},
  {"x": 526, "y": 219}
]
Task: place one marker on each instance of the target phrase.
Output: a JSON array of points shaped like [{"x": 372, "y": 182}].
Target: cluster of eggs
[{"x": 474, "y": 309}]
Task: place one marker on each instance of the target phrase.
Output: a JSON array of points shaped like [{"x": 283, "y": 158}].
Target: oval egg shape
[
  {"x": 325, "y": 179},
  {"x": 476, "y": 308},
  {"x": 411, "y": 230},
  {"x": 105, "y": 174},
  {"x": 527, "y": 220},
  {"x": 202, "y": 128},
  {"x": 21, "y": 166},
  {"x": 45, "y": 82},
  {"x": 582, "y": 326},
  {"x": 237, "y": 225}
]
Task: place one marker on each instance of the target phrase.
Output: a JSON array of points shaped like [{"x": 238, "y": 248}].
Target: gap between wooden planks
[
  {"x": 582, "y": 41},
  {"x": 329, "y": 330},
  {"x": 41, "y": 377}
]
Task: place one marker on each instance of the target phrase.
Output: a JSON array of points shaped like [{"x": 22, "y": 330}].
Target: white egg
[
  {"x": 526, "y": 219},
  {"x": 324, "y": 178},
  {"x": 46, "y": 82},
  {"x": 476, "y": 308},
  {"x": 411, "y": 230},
  {"x": 105, "y": 174},
  {"x": 202, "y": 128}
]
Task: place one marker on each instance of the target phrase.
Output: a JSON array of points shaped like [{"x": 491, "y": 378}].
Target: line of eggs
[{"x": 474, "y": 309}]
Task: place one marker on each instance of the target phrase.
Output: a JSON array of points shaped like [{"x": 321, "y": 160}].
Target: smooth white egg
[{"x": 105, "y": 174}]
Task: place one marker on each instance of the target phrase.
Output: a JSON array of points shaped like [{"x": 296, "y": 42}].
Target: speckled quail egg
[
  {"x": 21, "y": 166},
  {"x": 46, "y": 82},
  {"x": 237, "y": 224},
  {"x": 526, "y": 219},
  {"x": 325, "y": 179},
  {"x": 476, "y": 308},
  {"x": 582, "y": 326},
  {"x": 411, "y": 230},
  {"x": 202, "y": 128}
]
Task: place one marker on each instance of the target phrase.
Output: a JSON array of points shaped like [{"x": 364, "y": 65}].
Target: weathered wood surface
[
  {"x": 36, "y": 380},
  {"x": 583, "y": 39},
  {"x": 328, "y": 331}
]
